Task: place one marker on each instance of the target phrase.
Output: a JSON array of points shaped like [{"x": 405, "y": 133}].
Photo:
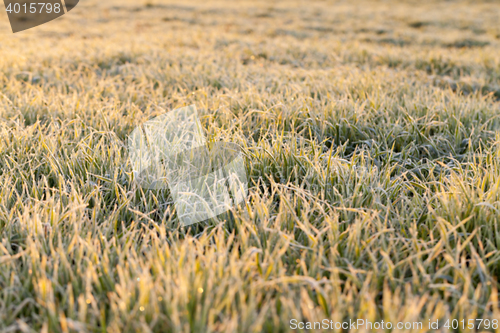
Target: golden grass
[{"x": 372, "y": 138}]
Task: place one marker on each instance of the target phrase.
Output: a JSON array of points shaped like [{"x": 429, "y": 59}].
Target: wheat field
[{"x": 371, "y": 135}]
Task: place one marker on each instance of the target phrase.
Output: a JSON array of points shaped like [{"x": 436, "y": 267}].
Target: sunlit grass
[{"x": 371, "y": 136}]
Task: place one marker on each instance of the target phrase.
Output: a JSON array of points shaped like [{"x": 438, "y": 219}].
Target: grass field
[{"x": 372, "y": 140}]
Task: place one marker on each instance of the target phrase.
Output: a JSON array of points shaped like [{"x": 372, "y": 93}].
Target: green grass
[{"x": 372, "y": 138}]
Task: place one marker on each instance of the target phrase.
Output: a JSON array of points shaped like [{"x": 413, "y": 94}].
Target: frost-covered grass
[{"x": 372, "y": 138}]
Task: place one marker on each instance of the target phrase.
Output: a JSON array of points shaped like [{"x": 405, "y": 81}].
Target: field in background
[{"x": 372, "y": 136}]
